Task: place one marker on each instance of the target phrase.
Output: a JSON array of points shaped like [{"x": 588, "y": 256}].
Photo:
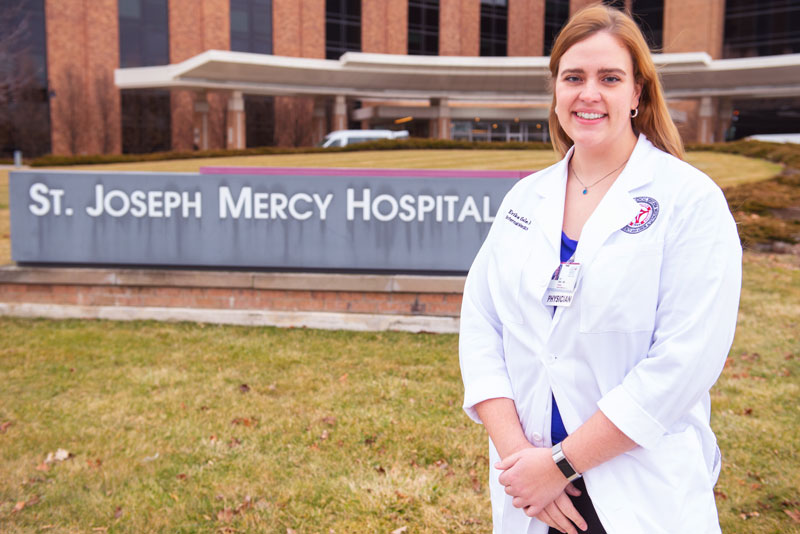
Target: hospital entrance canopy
[{"x": 489, "y": 79}]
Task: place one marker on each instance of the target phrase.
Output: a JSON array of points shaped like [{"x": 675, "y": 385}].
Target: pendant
[{"x": 585, "y": 190}]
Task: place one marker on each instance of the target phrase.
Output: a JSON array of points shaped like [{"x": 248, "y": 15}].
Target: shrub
[
  {"x": 785, "y": 153},
  {"x": 766, "y": 211},
  {"x": 383, "y": 144}
]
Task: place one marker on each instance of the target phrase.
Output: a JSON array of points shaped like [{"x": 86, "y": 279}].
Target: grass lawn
[
  {"x": 725, "y": 169},
  {"x": 333, "y": 432},
  {"x": 199, "y": 428}
]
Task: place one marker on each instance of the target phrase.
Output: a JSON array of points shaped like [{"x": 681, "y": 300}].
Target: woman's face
[{"x": 596, "y": 91}]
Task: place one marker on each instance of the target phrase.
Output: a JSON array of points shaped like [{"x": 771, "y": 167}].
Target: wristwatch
[{"x": 563, "y": 464}]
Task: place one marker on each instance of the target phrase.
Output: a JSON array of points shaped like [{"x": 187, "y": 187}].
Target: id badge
[{"x": 561, "y": 288}]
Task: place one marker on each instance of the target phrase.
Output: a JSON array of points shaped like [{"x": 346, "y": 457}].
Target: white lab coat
[{"x": 646, "y": 337}]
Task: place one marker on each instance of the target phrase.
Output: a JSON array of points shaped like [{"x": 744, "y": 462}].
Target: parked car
[
  {"x": 348, "y": 137},
  {"x": 776, "y": 138}
]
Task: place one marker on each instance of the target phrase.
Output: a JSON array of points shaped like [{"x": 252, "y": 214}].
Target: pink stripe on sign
[{"x": 388, "y": 173}]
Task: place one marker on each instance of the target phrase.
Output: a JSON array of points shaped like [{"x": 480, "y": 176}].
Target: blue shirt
[{"x": 557, "y": 431}]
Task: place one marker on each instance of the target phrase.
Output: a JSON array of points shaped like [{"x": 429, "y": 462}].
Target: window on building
[
  {"x": 619, "y": 4},
  {"x": 146, "y": 121},
  {"x": 24, "y": 102},
  {"x": 763, "y": 28},
  {"x": 251, "y": 26},
  {"x": 556, "y": 13},
  {"x": 143, "y": 33},
  {"x": 499, "y": 130},
  {"x": 494, "y": 27},
  {"x": 423, "y": 27},
  {"x": 764, "y": 116},
  {"x": 649, "y": 14},
  {"x": 259, "y": 122},
  {"x": 144, "y": 41},
  {"x": 342, "y": 27}
]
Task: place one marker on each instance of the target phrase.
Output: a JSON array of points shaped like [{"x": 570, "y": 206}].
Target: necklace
[{"x": 586, "y": 187}]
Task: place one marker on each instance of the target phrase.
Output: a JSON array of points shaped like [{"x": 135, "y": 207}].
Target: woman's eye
[
  {"x": 571, "y": 79},
  {"x": 611, "y": 79}
]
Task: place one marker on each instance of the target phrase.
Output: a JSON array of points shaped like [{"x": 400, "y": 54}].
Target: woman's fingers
[
  {"x": 572, "y": 490},
  {"x": 544, "y": 517},
  {"x": 559, "y": 520},
  {"x": 566, "y": 509},
  {"x": 508, "y": 461},
  {"x": 562, "y": 522}
]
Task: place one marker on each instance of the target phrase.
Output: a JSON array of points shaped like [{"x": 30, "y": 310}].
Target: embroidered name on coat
[{"x": 517, "y": 219}]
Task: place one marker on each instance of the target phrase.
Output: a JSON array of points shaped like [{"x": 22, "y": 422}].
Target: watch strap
[{"x": 563, "y": 464}]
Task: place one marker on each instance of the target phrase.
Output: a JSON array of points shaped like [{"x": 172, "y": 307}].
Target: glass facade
[
  {"x": 342, "y": 27},
  {"x": 423, "y": 27},
  {"x": 649, "y": 14},
  {"x": 146, "y": 124},
  {"x": 143, "y": 33},
  {"x": 556, "y": 13},
  {"x": 144, "y": 41},
  {"x": 259, "y": 114},
  {"x": 763, "y": 28},
  {"x": 24, "y": 94},
  {"x": 499, "y": 130},
  {"x": 619, "y": 4},
  {"x": 494, "y": 27},
  {"x": 764, "y": 116},
  {"x": 251, "y": 26}
]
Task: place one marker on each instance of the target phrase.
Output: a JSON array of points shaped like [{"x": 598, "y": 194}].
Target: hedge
[
  {"x": 785, "y": 153},
  {"x": 385, "y": 144},
  {"x": 765, "y": 212}
]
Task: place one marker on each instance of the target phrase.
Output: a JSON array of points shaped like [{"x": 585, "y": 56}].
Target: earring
[{"x": 634, "y": 113}]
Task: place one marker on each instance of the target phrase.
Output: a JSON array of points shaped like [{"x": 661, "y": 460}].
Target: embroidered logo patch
[{"x": 648, "y": 211}]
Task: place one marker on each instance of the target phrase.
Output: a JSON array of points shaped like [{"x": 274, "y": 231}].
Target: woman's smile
[
  {"x": 590, "y": 116},
  {"x": 595, "y": 92}
]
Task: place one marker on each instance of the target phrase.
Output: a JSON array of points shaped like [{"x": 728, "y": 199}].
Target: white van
[{"x": 348, "y": 137}]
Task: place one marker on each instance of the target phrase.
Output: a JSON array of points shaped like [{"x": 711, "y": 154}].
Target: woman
[{"x": 613, "y": 346}]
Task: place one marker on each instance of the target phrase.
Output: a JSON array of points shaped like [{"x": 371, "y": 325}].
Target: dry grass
[
  {"x": 731, "y": 169},
  {"x": 755, "y": 408},
  {"x": 339, "y": 431},
  {"x": 343, "y": 431}
]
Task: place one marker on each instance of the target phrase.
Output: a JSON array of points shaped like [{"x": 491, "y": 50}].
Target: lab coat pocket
[{"x": 619, "y": 289}]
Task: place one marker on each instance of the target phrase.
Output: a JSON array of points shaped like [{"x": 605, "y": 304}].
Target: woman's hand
[
  {"x": 561, "y": 513},
  {"x": 532, "y": 478}
]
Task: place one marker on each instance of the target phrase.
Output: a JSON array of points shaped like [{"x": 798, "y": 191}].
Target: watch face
[{"x": 563, "y": 464}]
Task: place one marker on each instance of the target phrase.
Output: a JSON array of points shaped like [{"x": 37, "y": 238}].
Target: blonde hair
[{"x": 653, "y": 119}]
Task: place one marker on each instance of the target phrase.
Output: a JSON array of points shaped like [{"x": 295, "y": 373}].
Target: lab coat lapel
[
  {"x": 618, "y": 206},
  {"x": 549, "y": 210}
]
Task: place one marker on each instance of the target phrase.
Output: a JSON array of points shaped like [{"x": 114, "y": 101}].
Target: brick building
[{"x": 74, "y": 47}]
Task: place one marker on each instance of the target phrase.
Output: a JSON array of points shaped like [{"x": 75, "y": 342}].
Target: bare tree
[
  {"x": 70, "y": 109},
  {"x": 293, "y": 121},
  {"x": 24, "y": 114},
  {"x": 13, "y": 47},
  {"x": 27, "y": 118},
  {"x": 303, "y": 121},
  {"x": 106, "y": 104},
  {"x": 217, "y": 119}
]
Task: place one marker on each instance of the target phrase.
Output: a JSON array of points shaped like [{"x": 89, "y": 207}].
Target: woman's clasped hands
[{"x": 537, "y": 486}]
